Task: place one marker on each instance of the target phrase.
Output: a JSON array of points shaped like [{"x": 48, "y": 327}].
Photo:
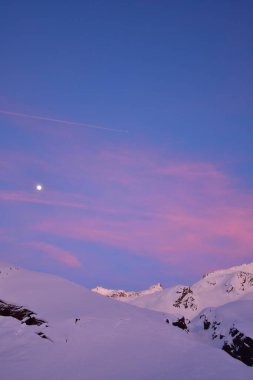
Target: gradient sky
[{"x": 167, "y": 201}]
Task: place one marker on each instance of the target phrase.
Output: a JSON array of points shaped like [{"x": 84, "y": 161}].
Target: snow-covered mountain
[
  {"x": 122, "y": 294},
  {"x": 51, "y": 328},
  {"x": 214, "y": 289},
  {"x": 217, "y": 310}
]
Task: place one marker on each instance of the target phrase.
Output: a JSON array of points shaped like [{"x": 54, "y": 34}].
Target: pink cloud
[
  {"x": 193, "y": 170},
  {"x": 61, "y": 200},
  {"x": 49, "y": 198},
  {"x": 176, "y": 237},
  {"x": 56, "y": 253},
  {"x": 177, "y": 211}
]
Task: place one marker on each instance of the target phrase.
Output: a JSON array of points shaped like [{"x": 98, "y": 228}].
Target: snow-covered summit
[
  {"x": 248, "y": 268},
  {"x": 120, "y": 293}
]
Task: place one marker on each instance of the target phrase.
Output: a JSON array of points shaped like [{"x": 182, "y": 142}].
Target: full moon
[{"x": 39, "y": 187}]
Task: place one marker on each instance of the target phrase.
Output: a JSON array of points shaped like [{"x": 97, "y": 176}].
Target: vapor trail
[{"x": 60, "y": 121}]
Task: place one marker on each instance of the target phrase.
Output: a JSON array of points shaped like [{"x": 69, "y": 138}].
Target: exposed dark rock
[
  {"x": 240, "y": 348},
  {"x": 206, "y": 323},
  {"x": 181, "y": 323},
  {"x": 213, "y": 283},
  {"x": 246, "y": 281},
  {"x": 233, "y": 332},
  {"x": 186, "y": 299},
  {"x": 230, "y": 289},
  {"x": 20, "y": 313},
  {"x": 33, "y": 321},
  {"x": 119, "y": 294},
  {"x": 42, "y": 335},
  {"x": 184, "y": 293}
]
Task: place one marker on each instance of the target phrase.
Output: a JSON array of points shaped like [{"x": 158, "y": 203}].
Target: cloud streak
[
  {"x": 59, "y": 121},
  {"x": 60, "y": 255}
]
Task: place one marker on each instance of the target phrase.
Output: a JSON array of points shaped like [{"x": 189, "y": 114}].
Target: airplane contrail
[{"x": 60, "y": 121}]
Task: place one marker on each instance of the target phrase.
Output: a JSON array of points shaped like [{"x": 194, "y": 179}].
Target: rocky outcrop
[
  {"x": 20, "y": 313},
  {"x": 186, "y": 299},
  {"x": 181, "y": 323},
  {"x": 241, "y": 347}
]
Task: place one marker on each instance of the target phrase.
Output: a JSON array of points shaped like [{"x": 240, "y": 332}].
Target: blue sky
[{"x": 178, "y": 76}]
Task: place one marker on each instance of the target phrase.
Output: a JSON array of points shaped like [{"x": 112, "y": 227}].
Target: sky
[{"x": 136, "y": 117}]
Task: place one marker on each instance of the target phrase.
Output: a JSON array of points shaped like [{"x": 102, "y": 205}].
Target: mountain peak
[
  {"x": 157, "y": 287},
  {"x": 122, "y": 294},
  {"x": 248, "y": 268}
]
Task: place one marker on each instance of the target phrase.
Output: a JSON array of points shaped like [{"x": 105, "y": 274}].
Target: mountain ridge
[{"x": 213, "y": 289}]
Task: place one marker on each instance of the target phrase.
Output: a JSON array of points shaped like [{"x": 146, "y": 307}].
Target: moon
[{"x": 39, "y": 187}]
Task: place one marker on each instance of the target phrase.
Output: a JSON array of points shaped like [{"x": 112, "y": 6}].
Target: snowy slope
[
  {"x": 93, "y": 337},
  {"x": 228, "y": 327}
]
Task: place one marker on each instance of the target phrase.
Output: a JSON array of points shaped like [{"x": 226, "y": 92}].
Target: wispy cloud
[
  {"x": 55, "y": 253},
  {"x": 144, "y": 202}
]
